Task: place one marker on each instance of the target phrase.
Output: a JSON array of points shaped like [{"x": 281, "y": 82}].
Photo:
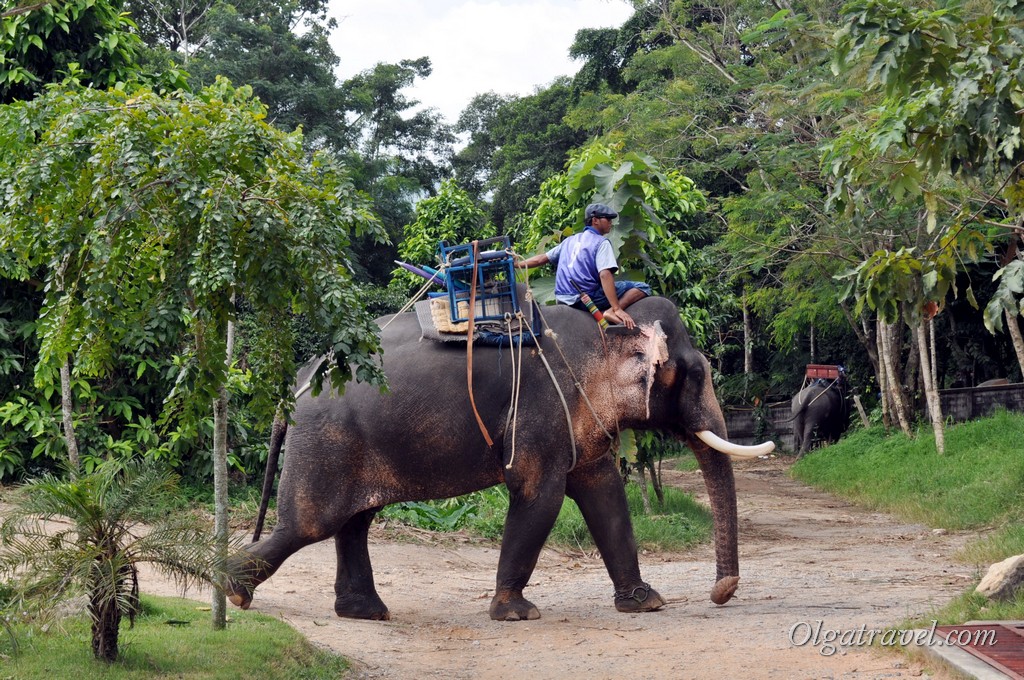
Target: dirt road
[{"x": 805, "y": 557}]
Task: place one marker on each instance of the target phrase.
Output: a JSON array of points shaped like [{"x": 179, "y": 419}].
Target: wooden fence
[{"x": 750, "y": 426}]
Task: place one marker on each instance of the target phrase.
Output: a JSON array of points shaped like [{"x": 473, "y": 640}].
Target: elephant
[
  {"x": 348, "y": 456},
  {"x": 823, "y": 407}
]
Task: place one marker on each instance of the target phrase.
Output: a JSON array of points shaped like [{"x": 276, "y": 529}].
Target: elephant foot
[
  {"x": 724, "y": 589},
  {"x": 237, "y": 594},
  {"x": 361, "y": 607},
  {"x": 642, "y": 598},
  {"x": 508, "y": 606}
]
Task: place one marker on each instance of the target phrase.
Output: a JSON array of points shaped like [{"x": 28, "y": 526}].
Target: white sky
[{"x": 475, "y": 46}]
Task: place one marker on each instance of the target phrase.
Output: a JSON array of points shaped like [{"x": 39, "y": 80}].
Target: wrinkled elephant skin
[{"x": 349, "y": 456}]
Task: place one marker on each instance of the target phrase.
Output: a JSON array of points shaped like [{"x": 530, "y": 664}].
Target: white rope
[
  {"x": 558, "y": 389},
  {"x": 517, "y": 378}
]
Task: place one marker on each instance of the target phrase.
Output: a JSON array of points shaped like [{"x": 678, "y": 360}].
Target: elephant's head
[{"x": 674, "y": 379}]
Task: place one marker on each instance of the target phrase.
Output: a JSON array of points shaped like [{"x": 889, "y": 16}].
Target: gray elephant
[
  {"x": 822, "y": 410},
  {"x": 349, "y": 456}
]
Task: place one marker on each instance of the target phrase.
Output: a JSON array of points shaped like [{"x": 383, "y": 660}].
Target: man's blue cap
[{"x": 600, "y": 210}]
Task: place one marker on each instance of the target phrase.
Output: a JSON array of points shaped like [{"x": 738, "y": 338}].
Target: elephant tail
[{"x": 277, "y": 433}]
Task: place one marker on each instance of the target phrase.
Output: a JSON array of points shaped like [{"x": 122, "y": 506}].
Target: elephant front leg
[
  {"x": 531, "y": 514},
  {"x": 598, "y": 491},
  {"x": 258, "y": 562},
  {"x": 355, "y": 595}
]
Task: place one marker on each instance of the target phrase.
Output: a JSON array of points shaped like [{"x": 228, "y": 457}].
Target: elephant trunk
[
  {"x": 721, "y": 486},
  {"x": 704, "y": 424}
]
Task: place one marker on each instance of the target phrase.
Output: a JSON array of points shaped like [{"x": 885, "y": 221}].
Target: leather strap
[{"x": 469, "y": 345}]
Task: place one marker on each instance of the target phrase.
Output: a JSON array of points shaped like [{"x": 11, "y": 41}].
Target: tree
[
  {"x": 952, "y": 86},
  {"x": 46, "y": 41},
  {"x": 143, "y": 202},
  {"x": 397, "y": 153},
  {"x": 515, "y": 144},
  {"x": 85, "y": 535},
  {"x": 291, "y": 72}
]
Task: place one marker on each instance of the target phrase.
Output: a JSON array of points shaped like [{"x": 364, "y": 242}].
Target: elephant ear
[{"x": 634, "y": 360}]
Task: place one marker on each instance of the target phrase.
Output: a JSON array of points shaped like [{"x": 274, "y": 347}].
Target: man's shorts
[{"x": 621, "y": 287}]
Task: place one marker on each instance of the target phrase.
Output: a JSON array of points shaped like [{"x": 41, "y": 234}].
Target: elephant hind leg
[{"x": 355, "y": 594}]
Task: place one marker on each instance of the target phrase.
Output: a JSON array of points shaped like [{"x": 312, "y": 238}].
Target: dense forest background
[{"x": 810, "y": 183}]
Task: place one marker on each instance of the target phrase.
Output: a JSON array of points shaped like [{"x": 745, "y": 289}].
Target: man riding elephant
[{"x": 586, "y": 265}]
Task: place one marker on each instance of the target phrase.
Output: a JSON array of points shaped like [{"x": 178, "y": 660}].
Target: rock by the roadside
[{"x": 1003, "y": 579}]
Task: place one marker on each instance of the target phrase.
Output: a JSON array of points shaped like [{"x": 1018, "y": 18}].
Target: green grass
[
  {"x": 976, "y": 485},
  {"x": 252, "y": 646},
  {"x": 681, "y": 523}
]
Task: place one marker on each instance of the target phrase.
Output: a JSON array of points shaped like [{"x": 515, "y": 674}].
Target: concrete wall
[
  {"x": 976, "y": 402},
  {"x": 745, "y": 427}
]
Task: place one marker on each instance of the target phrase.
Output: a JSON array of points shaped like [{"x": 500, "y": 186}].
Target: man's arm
[
  {"x": 534, "y": 261},
  {"x": 615, "y": 313}
]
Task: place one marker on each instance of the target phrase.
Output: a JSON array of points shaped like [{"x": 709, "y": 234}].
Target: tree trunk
[
  {"x": 748, "y": 340},
  {"x": 898, "y": 399},
  {"x": 643, "y": 489},
  {"x": 66, "y": 403},
  {"x": 883, "y": 382},
  {"x": 931, "y": 391},
  {"x": 67, "y": 408},
  {"x": 1018, "y": 342},
  {"x": 106, "y": 620},
  {"x": 659, "y": 492},
  {"x": 220, "y": 485},
  {"x": 814, "y": 350}
]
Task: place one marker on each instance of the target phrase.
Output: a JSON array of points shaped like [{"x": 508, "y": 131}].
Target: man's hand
[{"x": 619, "y": 316}]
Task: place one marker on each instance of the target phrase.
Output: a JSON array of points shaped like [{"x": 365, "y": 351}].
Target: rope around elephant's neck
[
  {"x": 572, "y": 374},
  {"x": 558, "y": 389}
]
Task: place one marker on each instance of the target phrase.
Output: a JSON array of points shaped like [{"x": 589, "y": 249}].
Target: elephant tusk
[{"x": 734, "y": 450}]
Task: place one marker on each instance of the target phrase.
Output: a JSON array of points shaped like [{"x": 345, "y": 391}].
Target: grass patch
[
  {"x": 171, "y": 639},
  {"x": 976, "y": 484},
  {"x": 681, "y": 523}
]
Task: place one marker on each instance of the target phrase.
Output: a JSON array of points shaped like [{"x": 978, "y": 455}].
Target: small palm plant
[{"x": 85, "y": 535}]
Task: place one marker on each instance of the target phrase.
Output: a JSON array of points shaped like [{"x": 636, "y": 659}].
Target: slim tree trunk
[
  {"x": 645, "y": 497},
  {"x": 883, "y": 372},
  {"x": 814, "y": 350},
  {"x": 931, "y": 391},
  {"x": 1018, "y": 342},
  {"x": 67, "y": 408},
  {"x": 220, "y": 484},
  {"x": 748, "y": 340}
]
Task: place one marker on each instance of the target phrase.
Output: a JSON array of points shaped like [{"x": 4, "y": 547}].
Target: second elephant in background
[{"x": 820, "y": 411}]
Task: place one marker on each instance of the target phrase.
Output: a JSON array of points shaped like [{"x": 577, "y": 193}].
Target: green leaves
[
  {"x": 94, "y": 41},
  {"x": 136, "y": 207}
]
